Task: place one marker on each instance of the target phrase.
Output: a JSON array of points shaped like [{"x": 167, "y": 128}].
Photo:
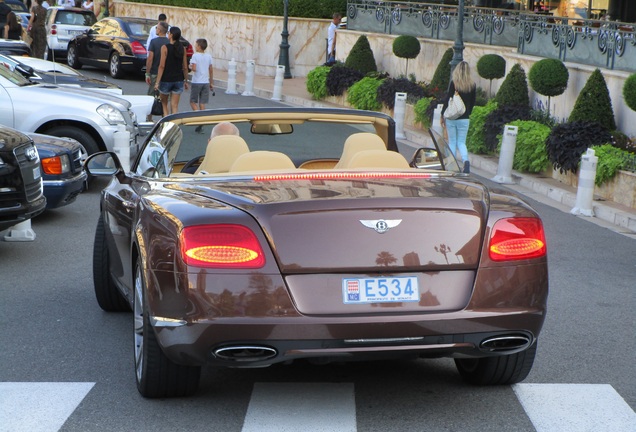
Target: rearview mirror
[
  {"x": 272, "y": 129},
  {"x": 102, "y": 164}
]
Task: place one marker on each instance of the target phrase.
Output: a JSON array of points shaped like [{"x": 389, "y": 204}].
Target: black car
[
  {"x": 115, "y": 43},
  {"x": 63, "y": 175},
  {"x": 21, "y": 195},
  {"x": 16, "y": 47}
]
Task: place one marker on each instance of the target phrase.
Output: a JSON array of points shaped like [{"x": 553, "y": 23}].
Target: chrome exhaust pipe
[
  {"x": 245, "y": 353},
  {"x": 507, "y": 343}
]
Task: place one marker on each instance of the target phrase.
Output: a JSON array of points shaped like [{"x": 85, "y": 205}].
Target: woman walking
[
  {"x": 36, "y": 29},
  {"x": 457, "y": 129},
  {"x": 172, "y": 74},
  {"x": 13, "y": 28}
]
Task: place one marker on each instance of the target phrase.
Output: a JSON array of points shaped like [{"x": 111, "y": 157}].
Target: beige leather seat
[
  {"x": 359, "y": 142},
  {"x": 221, "y": 153},
  {"x": 262, "y": 160},
  {"x": 378, "y": 159}
]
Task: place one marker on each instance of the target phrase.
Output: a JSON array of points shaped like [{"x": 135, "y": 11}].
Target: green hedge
[{"x": 296, "y": 8}]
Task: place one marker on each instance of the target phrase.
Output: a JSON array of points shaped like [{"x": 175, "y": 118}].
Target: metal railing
[{"x": 606, "y": 44}]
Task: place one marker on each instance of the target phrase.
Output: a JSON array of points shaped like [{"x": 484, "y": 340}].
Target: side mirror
[
  {"x": 427, "y": 158},
  {"x": 102, "y": 164}
]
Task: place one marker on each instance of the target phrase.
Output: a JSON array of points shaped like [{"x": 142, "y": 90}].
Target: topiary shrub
[
  {"x": 568, "y": 141},
  {"x": 594, "y": 103},
  {"x": 475, "y": 141},
  {"x": 514, "y": 89},
  {"x": 407, "y": 47},
  {"x": 441, "y": 77},
  {"x": 481, "y": 98},
  {"x": 363, "y": 95},
  {"x": 391, "y": 86},
  {"x": 317, "y": 82},
  {"x": 530, "y": 153},
  {"x": 610, "y": 161},
  {"x": 629, "y": 91},
  {"x": 490, "y": 67},
  {"x": 340, "y": 78},
  {"x": 549, "y": 77},
  {"x": 423, "y": 116},
  {"x": 497, "y": 119},
  {"x": 361, "y": 57}
]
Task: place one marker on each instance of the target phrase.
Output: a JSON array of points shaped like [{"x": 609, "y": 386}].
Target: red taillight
[
  {"x": 53, "y": 29},
  {"x": 221, "y": 246},
  {"x": 189, "y": 50},
  {"x": 516, "y": 239},
  {"x": 138, "y": 48}
]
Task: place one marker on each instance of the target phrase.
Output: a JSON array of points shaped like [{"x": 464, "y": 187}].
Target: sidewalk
[{"x": 618, "y": 218}]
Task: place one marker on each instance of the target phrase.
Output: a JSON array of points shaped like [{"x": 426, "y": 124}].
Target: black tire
[
  {"x": 108, "y": 296},
  {"x": 87, "y": 141},
  {"x": 157, "y": 376},
  {"x": 506, "y": 369},
  {"x": 72, "y": 58},
  {"x": 114, "y": 66}
]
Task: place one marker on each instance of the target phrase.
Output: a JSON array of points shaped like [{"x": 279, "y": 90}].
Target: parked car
[
  {"x": 309, "y": 236},
  {"x": 17, "y": 47},
  {"x": 63, "y": 175},
  {"x": 117, "y": 44},
  {"x": 16, "y": 63},
  {"x": 90, "y": 117},
  {"x": 62, "y": 25},
  {"x": 16, "y": 5},
  {"x": 21, "y": 196}
]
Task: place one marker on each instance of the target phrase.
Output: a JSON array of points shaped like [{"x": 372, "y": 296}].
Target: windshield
[{"x": 12, "y": 76}]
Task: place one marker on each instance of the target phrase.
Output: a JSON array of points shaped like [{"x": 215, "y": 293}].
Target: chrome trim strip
[{"x": 157, "y": 321}]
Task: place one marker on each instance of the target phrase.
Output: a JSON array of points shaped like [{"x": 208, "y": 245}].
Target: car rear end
[
  {"x": 63, "y": 24},
  {"x": 344, "y": 266}
]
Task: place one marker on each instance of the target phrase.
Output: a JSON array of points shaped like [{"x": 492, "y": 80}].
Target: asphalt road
[{"x": 67, "y": 365}]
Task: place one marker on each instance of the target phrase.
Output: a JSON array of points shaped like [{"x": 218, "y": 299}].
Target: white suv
[{"x": 62, "y": 25}]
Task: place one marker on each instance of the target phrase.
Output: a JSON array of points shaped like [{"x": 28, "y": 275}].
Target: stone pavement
[{"x": 616, "y": 217}]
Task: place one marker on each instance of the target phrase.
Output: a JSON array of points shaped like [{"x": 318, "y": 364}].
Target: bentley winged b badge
[{"x": 381, "y": 226}]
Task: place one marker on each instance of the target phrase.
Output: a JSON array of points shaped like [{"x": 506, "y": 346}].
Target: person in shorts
[
  {"x": 201, "y": 66},
  {"x": 153, "y": 59},
  {"x": 172, "y": 75}
]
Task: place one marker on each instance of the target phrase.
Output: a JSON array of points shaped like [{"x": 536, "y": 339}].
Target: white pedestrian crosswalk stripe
[
  {"x": 38, "y": 406},
  {"x": 575, "y": 408},
  {"x": 301, "y": 407}
]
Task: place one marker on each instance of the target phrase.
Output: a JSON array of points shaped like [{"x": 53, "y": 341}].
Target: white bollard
[
  {"x": 585, "y": 190},
  {"x": 21, "y": 232},
  {"x": 278, "y": 83},
  {"x": 249, "y": 78},
  {"x": 437, "y": 120},
  {"x": 507, "y": 155},
  {"x": 231, "y": 78},
  {"x": 399, "y": 112},
  {"x": 121, "y": 146}
]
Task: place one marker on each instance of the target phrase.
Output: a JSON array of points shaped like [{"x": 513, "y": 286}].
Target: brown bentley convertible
[{"x": 309, "y": 236}]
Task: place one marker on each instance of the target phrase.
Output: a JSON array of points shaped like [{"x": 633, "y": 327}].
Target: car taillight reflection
[
  {"x": 516, "y": 239},
  {"x": 221, "y": 246}
]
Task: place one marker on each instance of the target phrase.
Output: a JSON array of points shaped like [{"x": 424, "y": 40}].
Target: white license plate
[
  {"x": 75, "y": 32},
  {"x": 380, "y": 290},
  {"x": 36, "y": 173}
]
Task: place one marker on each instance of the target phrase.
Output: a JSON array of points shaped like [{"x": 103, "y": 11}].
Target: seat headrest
[
  {"x": 359, "y": 142},
  {"x": 262, "y": 160},
  {"x": 221, "y": 152},
  {"x": 378, "y": 159}
]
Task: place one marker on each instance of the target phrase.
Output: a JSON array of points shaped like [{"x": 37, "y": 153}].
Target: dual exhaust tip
[
  {"x": 245, "y": 353},
  {"x": 506, "y": 343}
]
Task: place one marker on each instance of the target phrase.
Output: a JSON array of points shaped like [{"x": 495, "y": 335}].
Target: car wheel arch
[{"x": 54, "y": 126}]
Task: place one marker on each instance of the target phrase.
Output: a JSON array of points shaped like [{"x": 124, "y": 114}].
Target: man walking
[
  {"x": 154, "y": 57},
  {"x": 331, "y": 38},
  {"x": 153, "y": 30}
]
